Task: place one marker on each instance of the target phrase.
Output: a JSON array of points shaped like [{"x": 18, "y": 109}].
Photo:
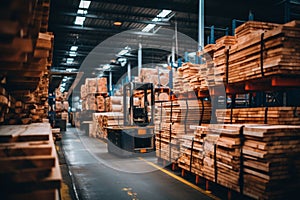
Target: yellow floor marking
[
  {"x": 65, "y": 192},
  {"x": 180, "y": 179}
]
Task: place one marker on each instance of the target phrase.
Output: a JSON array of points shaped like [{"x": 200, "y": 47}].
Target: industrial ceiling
[{"x": 79, "y": 27}]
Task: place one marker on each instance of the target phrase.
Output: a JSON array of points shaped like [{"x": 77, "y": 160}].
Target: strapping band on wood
[
  {"x": 295, "y": 112},
  {"x": 227, "y": 64},
  {"x": 171, "y": 111},
  {"x": 170, "y": 144},
  {"x": 215, "y": 163},
  {"x": 231, "y": 114},
  {"x": 202, "y": 112},
  {"x": 262, "y": 48},
  {"x": 241, "y": 175},
  {"x": 266, "y": 115},
  {"x": 186, "y": 115},
  {"x": 191, "y": 160}
]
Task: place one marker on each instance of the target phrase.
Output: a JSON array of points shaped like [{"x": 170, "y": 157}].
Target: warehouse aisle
[{"x": 100, "y": 175}]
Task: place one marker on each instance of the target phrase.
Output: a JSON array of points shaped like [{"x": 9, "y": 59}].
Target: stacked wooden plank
[
  {"x": 191, "y": 151},
  {"x": 220, "y": 57},
  {"x": 271, "y": 161},
  {"x": 167, "y": 142},
  {"x": 158, "y": 76},
  {"x": 277, "y": 48},
  {"x": 28, "y": 162},
  {"x": 114, "y": 104},
  {"x": 176, "y": 120},
  {"x": 189, "y": 74},
  {"x": 270, "y": 115},
  {"x": 96, "y": 85},
  {"x": 103, "y": 120}
]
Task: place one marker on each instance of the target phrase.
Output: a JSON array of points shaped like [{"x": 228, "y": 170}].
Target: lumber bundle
[
  {"x": 265, "y": 52},
  {"x": 114, "y": 104},
  {"x": 270, "y": 115},
  {"x": 220, "y": 56},
  {"x": 95, "y": 85},
  {"x": 158, "y": 76},
  {"x": 192, "y": 152},
  {"x": 271, "y": 161},
  {"x": 28, "y": 162},
  {"x": 103, "y": 120},
  {"x": 26, "y": 57},
  {"x": 174, "y": 120}
]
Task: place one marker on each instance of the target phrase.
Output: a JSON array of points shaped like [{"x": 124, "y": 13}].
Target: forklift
[{"x": 136, "y": 136}]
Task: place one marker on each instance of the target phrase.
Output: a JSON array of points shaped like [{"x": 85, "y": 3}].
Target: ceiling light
[
  {"x": 117, "y": 23},
  {"x": 79, "y": 20},
  {"x": 156, "y": 19},
  {"x": 82, "y": 12},
  {"x": 71, "y": 69},
  {"x": 164, "y": 13},
  {"x": 73, "y": 48},
  {"x": 84, "y": 4},
  {"x": 148, "y": 28},
  {"x": 70, "y": 60},
  {"x": 72, "y": 53}
]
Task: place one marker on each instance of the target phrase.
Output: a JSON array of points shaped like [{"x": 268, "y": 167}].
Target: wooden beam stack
[
  {"x": 28, "y": 162},
  {"x": 176, "y": 120},
  {"x": 222, "y": 45},
  {"x": 114, "y": 104},
  {"x": 103, "y": 120},
  {"x": 270, "y": 115},
  {"x": 271, "y": 161},
  {"x": 192, "y": 152},
  {"x": 276, "y": 47}
]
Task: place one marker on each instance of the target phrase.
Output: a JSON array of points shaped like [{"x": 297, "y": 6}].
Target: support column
[
  {"x": 139, "y": 59},
  {"x": 129, "y": 71},
  {"x": 110, "y": 82},
  {"x": 201, "y": 26}
]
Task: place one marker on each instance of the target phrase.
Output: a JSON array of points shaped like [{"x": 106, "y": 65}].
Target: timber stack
[
  {"x": 28, "y": 162},
  {"x": 27, "y": 57}
]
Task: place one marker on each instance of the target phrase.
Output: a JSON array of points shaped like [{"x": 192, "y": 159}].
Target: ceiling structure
[{"x": 75, "y": 42}]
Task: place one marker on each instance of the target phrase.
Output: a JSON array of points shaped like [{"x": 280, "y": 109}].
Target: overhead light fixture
[
  {"x": 164, "y": 13},
  {"x": 79, "y": 20},
  {"x": 72, "y": 54},
  {"x": 158, "y": 18},
  {"x": 82, "y": 12},
  {"x": 71, "y": 69},
  {"x": 70, "y": 60},
  {"x": 148, "y": 28},
  {"x": 84, "y": 4},
  {"x": 117, "y": 23},
  {"x": 73, "y": 48}
]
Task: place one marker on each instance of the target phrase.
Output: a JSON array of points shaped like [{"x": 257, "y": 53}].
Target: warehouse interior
[{"x": 172, "y": 99}]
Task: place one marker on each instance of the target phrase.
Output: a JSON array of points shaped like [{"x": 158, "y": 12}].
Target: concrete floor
[{"x": 93, "y": 173}]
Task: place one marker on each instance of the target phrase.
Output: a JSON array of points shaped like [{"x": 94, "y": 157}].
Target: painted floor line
[{"x": 181, "y": 179}]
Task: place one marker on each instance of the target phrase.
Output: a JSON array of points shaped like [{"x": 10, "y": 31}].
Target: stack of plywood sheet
[
  {"x": 265, "y": 52},
  {"x": 28, "y": 162},
  {"x": 270, "y": 115},
  {"x": 271, "y": 161}
]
